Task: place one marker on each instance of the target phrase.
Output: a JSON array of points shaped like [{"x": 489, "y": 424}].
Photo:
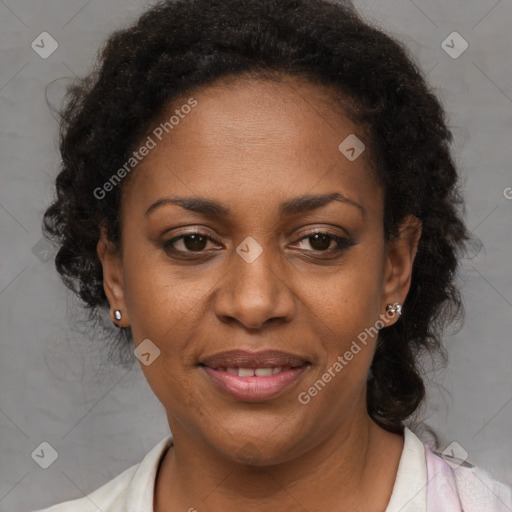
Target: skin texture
[{"x": 250, "y": 145}]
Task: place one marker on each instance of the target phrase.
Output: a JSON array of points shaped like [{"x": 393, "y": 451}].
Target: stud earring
[
  {"x": 394, "y": 308},
  {"x": 117, "y": 315}
]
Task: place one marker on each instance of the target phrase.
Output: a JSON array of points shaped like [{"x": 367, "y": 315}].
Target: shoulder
[
  {"x": 131, "y": 490},
  {"x": 476, "y": 488},
  {"x": 479, "y": 490}
]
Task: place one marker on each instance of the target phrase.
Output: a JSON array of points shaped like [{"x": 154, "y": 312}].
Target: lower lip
[{"x": 255, "y": 389}]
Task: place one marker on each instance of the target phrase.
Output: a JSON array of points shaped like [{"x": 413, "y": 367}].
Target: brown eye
[
  {"x": 322, "y": 242},
  {"x": 190, "y": 242},
  {"x": 195, "y": 242}
]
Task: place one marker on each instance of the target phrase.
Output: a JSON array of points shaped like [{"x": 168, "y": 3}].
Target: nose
[{"x": 254, "y": 293}]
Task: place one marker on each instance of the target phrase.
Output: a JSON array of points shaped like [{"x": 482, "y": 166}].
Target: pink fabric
[
  {"x": 464, "y": 488},
  {"x": 442, "y": 494}
]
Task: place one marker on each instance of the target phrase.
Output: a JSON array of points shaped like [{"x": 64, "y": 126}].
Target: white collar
[
  {"x": 140, "y": 493},
  {"x": 410, "y": 489}
]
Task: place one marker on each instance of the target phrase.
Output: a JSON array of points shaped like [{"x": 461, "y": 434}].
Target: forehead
[{"x": 253, "y": 140}]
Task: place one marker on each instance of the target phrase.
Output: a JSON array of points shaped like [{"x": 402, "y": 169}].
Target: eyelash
[{"x": 342, "y": 243}]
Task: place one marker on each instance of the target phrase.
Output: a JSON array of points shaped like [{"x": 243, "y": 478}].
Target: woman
[{"x": 262, "y": 194}]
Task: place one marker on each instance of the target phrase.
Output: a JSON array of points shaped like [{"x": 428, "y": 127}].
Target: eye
[
  {"x": 193, "y": 242},
  {"x": 322, "y": 241}
]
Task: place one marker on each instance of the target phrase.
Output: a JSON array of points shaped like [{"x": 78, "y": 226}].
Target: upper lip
[{"x": 247, "y": 359}]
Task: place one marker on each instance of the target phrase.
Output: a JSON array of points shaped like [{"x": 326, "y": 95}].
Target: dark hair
[{"x": 178, "y": 46}]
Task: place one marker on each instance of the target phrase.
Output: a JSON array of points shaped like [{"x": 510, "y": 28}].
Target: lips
[
  {"x": 254, "y": 376},
  {"x": 254, "y": 360}
]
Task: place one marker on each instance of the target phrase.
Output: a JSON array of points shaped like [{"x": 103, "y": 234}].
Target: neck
[{"x": 351, "y": 469}]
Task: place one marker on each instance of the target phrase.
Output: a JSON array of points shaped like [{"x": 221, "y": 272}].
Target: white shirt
[
  {"x": 133, "y": 490},
  {"x": 410, "y": 489}
]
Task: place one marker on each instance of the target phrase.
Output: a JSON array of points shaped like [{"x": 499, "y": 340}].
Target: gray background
[{"x": 103, "y": 419}]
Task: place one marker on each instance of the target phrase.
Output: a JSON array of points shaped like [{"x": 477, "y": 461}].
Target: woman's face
[{"x": 249, "y": 273}]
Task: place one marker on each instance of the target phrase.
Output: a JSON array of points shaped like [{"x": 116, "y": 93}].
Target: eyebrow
[{"x": 304, "y": 203}]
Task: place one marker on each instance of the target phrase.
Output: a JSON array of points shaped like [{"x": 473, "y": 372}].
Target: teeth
[
  {"x": 263, "y": 372},
  {"x": 251, "y": 372}
]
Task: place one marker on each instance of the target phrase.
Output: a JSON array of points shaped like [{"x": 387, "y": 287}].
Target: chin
[{"x": 260, "y": 451}]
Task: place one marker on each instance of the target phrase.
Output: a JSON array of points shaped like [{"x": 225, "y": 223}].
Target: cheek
[
  {"x": 162, "y": 300},
  {"x": 350, "y": 301},
  {"x": 346, "y": 314},
  {"x": 345, "y": 319},
  {"x": 168, "y": 306},
  {"x": 166, "y": 311}
]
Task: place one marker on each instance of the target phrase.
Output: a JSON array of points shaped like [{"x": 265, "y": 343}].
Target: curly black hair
[{"x": 176, "y": 47}]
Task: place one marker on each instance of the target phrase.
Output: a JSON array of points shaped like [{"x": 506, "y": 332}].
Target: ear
[
  {"x": 400, "y": 255},
  {"x": 113, "y": 281}
]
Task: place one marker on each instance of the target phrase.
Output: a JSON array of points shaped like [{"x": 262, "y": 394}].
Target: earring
[
  {"x": 117, "y": 315},
  {"x": 394, "y": 308}
]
